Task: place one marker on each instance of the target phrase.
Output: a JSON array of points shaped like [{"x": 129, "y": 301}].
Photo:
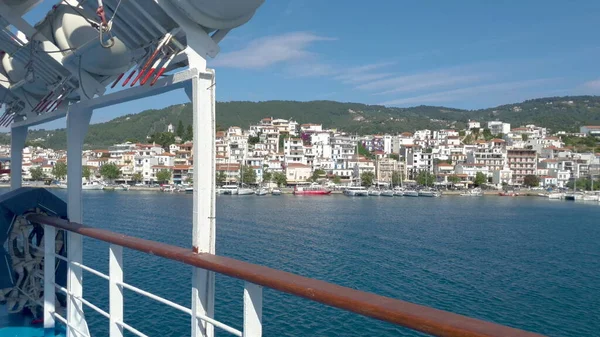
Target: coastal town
[{"x": 277, "y": 152}]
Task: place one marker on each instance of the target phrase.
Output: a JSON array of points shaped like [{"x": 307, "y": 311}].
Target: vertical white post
[
  {"x": 49, "y": 276},
  {"x": 203, "y": 233},
  {"x": 202, "y": 95},
  {"x": 78, "y": 121},
  {"x": 115, "y": 277},
  {"x": 252, "y": 310},
  {"x": 17, "y": 143}
]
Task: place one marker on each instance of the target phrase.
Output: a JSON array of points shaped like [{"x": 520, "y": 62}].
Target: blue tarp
[{"x": 18, "y": 202}]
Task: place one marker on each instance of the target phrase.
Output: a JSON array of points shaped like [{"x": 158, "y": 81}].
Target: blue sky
[{"x": 465, "y": 54}]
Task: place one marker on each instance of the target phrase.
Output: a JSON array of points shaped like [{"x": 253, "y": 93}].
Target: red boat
[{"x": 311, "y": 190}]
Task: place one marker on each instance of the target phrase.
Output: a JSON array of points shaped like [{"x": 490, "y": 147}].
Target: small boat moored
[{"x": 356, "y": 191}]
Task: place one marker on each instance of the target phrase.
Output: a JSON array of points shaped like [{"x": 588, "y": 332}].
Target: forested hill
[{"x": 556, "y": 113}]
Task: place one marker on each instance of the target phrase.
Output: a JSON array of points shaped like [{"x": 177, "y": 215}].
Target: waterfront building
[{"x": 522, "y": 162}]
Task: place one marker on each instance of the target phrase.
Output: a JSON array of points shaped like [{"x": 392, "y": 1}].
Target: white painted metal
[
  {"x": 169, "y": 83},
  {"x": 90, "y": 270},
  {"x": 218, "y": 14},
  {"x": 76, "y": 331},
  {"x": 49, "y": 275},
  {"x": 115, "y": 267},
  {"x": 78, "y": 121},
  {"x": 17, "y": 143},
  {"x": 253, "y": 299},
  {"x": 132, "y": 329},
  {"x": 84, "y": 301},
  {"x": 204, "y": 231}
]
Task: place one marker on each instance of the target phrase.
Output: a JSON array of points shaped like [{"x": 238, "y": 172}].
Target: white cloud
[
  {"x": 266, "y": 51},
  {"x": 462, "y": 93},
  {"x": 592, "y": 85}
]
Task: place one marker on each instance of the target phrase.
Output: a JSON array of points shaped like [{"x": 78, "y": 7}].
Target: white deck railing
[{"x": 409, "y": 315}]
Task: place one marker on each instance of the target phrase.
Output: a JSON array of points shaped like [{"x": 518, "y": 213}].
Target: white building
[
  {"x": 497, "y": 127},
  {"x": 473, "y": 125}
]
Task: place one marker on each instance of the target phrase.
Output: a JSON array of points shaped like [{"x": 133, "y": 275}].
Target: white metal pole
[
  {"x": 115, "y": 265},
  {"x": 253, "y": 299},
  {"x": 17, "y": 143},
  {"x": 203, "y": 233},
  {"x": 78, "y": 120},
  {"x": 49, "y": 291},
  {"x": 202, "y": 95}
]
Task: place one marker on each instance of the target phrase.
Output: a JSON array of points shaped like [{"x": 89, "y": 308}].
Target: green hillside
[{"x": 556, "y": 113}]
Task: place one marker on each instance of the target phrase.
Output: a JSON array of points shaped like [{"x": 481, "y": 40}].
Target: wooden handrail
[{"x": 413, "y": 316}]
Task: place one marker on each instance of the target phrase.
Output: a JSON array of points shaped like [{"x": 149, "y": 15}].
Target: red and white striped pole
[
  {"x": 162, "y": 42},
  {"x": 163, "y": 68},
  {"x": 151, "y": 71}
]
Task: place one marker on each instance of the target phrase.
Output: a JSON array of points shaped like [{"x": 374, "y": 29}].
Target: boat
[
  {"x": 375, "y": 192},
  {"x": 120, "y": 187},
  {"x": 590, "y": 197},
  {"x": 276, "y": 191},
  {"x": 356, "y": 191},
  {"x": 387, "y": 193},
  {"x": 410, "y": 193},
  {"x": 429, "y": 193},
  {"x": 508, "y": 194},
  {"x": 475, "y": 192},
  {"x": 556, "y": 195},
  {"x": 86, "y": 186},
  {"x": 261, "y": 191},
  {"x": 313, "y": 189},
  {"x": 188, "y": 190},
  {"x": 168, "y": 188},
  {"x": 228, "y": 190},
  {"x": 244, "y": 191}
]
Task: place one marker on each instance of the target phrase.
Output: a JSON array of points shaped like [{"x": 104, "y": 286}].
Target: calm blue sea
[{"x": 530, "y": 263}]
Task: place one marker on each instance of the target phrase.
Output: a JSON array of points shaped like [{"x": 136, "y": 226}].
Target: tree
[
  {"x": 367, "y": 178},
  {"x": 267, "y": 176},
  {"x": 189, "y": 133},
  {"x": 480, "y": 179},
  {"x": 282, "y": 137},
  {"x": 280, "y": 179},
  {"x": 164, "y": 139},
  {"x": 531, "y": 180},
  {"x": 248, "y": 175},
  {"x": 253, "y": 140},
  {"x": 59, "y": 171},
  {"x": 336, "y": 179},
  {"x": 37, "y": 173},
  {"x": 364, "y": 152},
  {"x": 317, "y": 175},
  {"x": 524, "y": 137},
  {"x": 221, "y": 177},
  {"x": 163, "y": 176},
  {"x": 475, "y": 133},
  {"x": 397, "y": 178},
  {"x": 454, "y": 179},
  {"x": 468, "y": 140},
  {"x": 86, "y": 172},
  {"x": 425, "y": 178},
  {"x": 395, "y": 156},
  {"x": 487, "y": 134},
  {"x": 180, "y": 131},
  {"x": 110, "y": 171},
  {"x": 137, "y": 177}
]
